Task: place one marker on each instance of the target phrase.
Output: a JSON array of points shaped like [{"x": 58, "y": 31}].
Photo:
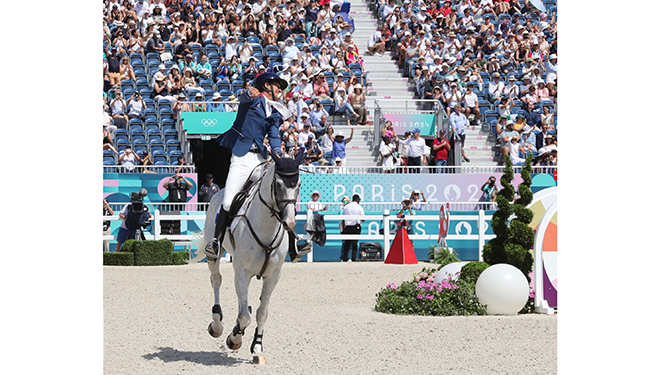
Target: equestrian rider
[{"x": 259, "y": 115}]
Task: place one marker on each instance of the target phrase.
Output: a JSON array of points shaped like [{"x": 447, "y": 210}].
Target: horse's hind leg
[
  {"x": 241, "y": 283},
  {"x": 215, "y": 327},
  {"x": 269, "y": 284}
]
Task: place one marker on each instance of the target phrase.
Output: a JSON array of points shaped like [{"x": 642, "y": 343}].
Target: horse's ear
[{"x": 300, "y": 156}]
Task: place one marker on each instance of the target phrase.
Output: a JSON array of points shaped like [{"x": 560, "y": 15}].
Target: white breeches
[{"x": 239, "y": 171}]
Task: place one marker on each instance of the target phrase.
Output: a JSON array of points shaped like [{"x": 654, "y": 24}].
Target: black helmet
[{"x": 269, "y": 77}]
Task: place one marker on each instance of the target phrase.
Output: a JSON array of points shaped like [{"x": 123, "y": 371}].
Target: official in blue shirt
[{"x": 459, "y": 123}]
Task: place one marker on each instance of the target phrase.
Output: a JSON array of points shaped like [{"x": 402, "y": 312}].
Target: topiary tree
[{"x": 513, "y": 239}]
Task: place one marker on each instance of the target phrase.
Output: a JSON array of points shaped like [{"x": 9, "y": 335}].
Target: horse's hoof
[
  {"x": 233, "y": 346},
  {"x": 214, "y": 333},
  {"x": 259, "y": 360}
]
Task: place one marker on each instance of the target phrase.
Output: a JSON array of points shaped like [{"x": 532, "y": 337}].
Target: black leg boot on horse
[
  {"x": 298, "y": 247},
  {"x": 212, "y": 249}
]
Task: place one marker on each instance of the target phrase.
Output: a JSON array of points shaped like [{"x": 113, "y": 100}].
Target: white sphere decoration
[
  {"x": 451, "y": 268},
  {"x": 503, "y": 289}
]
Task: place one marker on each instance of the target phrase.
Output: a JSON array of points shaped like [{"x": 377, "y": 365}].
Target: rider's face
[{"x": 277, "y": 91}]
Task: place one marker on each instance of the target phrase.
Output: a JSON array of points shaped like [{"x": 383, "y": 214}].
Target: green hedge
[
  {"x": 153, "y": 253},
  {"x": 146, "y": 253},
  {"x": 180, "y": 257},
  {"x": 118, "y": 259}
]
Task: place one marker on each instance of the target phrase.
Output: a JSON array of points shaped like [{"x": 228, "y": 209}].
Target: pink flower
[{"x": 429, "y": 296}]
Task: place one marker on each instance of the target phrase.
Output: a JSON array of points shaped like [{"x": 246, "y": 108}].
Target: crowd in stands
[
  {"x": 163, "y": 57},
  {"x": 494, "y": 59},
  {"x": 167, "y": 55}
]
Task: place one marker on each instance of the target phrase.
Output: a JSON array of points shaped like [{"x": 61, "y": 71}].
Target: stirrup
[
  {"x": 302, "y": 247},
  {"x": 211, "y": 249}
]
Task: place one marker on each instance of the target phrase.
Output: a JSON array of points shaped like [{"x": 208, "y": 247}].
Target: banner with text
[{"x": 409, "y": 121}]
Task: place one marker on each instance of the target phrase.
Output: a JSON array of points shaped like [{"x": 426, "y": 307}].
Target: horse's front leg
[
  {"x": 215, "y": 327},
  {"x": 269, "y": 283},
  {"x": 241, "y": 283}
]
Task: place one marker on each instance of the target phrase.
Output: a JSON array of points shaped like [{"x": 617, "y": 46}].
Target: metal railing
[
  {"x": 377, "y": 169},
  {"x": 386, "y": 237},
  {"x": 168, "y": 169}
]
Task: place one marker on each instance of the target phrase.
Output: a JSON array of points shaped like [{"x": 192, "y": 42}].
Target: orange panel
[{"x": 550, "y": 238}]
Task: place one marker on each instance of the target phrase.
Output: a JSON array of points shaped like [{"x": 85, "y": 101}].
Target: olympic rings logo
[{"x": 209, "y": 122}]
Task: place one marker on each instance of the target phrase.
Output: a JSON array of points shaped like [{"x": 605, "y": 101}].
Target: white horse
[{"x": 258, "y": 241}]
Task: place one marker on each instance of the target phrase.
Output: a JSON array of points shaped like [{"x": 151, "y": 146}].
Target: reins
[{"x": 279, "y": 236}]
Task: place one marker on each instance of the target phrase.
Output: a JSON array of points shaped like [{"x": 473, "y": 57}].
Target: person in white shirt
[
  {"x": 471, "y": 101},
  {"x": 415, "y": 151},
  {"x": 376, "y": 44},
  {"x": 386, "y": 149},
  {"x": 351, "y": 226},
  {"x": 127, "y": 159},
  {"x": 314, "y": 204},
  {"x": 511, "y": 91},
  {"x": 495, "y": 88}
]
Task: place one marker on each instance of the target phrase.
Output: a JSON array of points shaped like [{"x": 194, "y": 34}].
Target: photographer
[
  {"x": 128, "y": 159},
  {"x": 407, "y": 209},
  {"x": 489, "y": 190},
  {"x": 177, "y": 186},
  {"x": 134, "y": 216},
  {"x": 136, "y": 107}
]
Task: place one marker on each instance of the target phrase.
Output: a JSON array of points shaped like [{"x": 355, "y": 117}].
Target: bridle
[{"x": 274, "y": 212}]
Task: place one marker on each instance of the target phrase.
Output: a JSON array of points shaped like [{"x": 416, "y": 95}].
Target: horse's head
[{"x": 286, "y": 186}]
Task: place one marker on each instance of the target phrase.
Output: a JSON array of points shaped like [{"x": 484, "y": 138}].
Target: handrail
[{"x": 386, "y": 237}]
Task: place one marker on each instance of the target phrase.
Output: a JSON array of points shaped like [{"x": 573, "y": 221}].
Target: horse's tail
[{"x": 200, "y": 239}]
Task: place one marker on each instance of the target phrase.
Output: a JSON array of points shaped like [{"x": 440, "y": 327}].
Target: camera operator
[{"x": 134, "y": 215}]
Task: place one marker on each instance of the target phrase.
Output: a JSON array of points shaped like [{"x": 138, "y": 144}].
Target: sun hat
[{"x": 315, "y": 192}]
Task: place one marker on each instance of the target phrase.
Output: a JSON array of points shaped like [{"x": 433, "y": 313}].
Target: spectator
[
  {"x": 312, "y": 149},
  {"x": 204, "y": 68},
  {"x": 386, "y": 151},
  {"x": 161, "y": 89},
  {"x": 317, "y": 115},
  {"x": 415, "y": 151},
  {"x": 114, "y": 75},
  {"x": 511, "y": 91},
  {"x": 181, "y": 160},
  {"x": 550, "y": 144},
  {"x": 357, "y": 100},
  {"x": 321, "y": 88},
  {"x": 352, "y": 226},
  {"x": 306, "y": 131},
  {"x": 198, "y": 105},
  {"x": 339, "y": 146},
  {"x": 504, "y": 134},
  {"x": 514, "y": 151},
  {"x": 441, "y": 148},
  {"x": 343, "y": 105},
  {"x": 107, "y": 230},
  {"x": 208, "y": 189},
  {"x": 547, "y": 118},
  {"x": 136, "y": 107},
  {"x": 326, "y": 141},
  {"x": 532, "y": 115},
  {"x": 145, "y": 160},
  {"x": 107, "y": 141},
  {"x": 459, "y": 123},
  {"x": 376, "y": 43},
  {"x": 495, "y": 88},
  {"x": 314, "y": 204},
  {"x": 118, "y": 107},
  {"x": 126, "y": 70},
  {"x": 471, "y": 101},
  {"x": 127, "y": 159},
  {"x": 216, "y": 105},
  {"x": 527, "y": 141},
  {"x": 338, "y": 166},
  {"x": 232, "y": 106}
]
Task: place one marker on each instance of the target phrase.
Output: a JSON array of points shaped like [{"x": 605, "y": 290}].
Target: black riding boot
[
  {"x": 298, "y": 248},
  {"x": 212, "y": 249}
]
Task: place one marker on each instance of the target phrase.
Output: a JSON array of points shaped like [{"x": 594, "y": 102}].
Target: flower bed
[{"x": 424, "y": 295}]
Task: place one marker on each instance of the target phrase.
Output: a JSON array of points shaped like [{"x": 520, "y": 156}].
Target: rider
[{"x": 259, "y": 115}]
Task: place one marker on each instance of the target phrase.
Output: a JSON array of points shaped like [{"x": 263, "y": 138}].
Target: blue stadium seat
[
  {"x": 121, "y": 134},
  {"x": 121, "y": 144},
  {"x": 174, "y": 155},
  {"x": 140, "y": 145},
  {"x": 150, "y": 113},
  {"x": 150, "y": 103},
  {"x": 165, "y": 113},
  {"x": 170, "y": 134},
  {"x": 135, "y": 124},
  {"x": 159, "y": 156},
  {"x": 108, "y": 156},
  {"x": 154, "y": 136},
  {"x": 137, "y": 135},
  {"x": 167, "y": 124},
  {"x": 173, "y": 145},
  {"x": 157, "y": 146}
]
